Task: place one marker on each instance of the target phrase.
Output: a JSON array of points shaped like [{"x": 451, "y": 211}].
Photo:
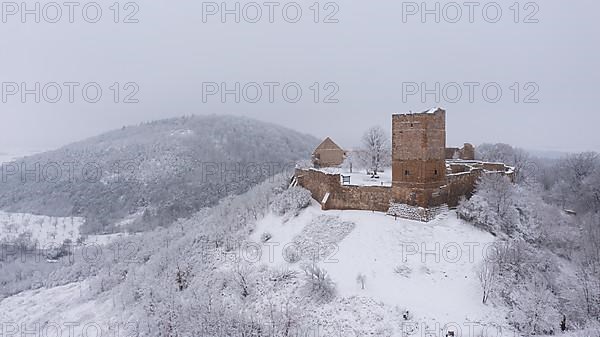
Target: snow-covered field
[
  {"x": 45, "y": 230},
  {"x": 429, "y": 269}
]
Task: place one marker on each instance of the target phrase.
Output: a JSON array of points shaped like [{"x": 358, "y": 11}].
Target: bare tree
[
  {"x": 526, "y": 168},
  {"x": 582, "y": 164},
  {"x": 318, "y": 283},
  {"x": 361, "y": 279},
  {"x": 488, "y": 274},
  {"x": 589, "y": 264},
  {"x": 498, "y": 191},
  {"x": 580, "y": 174},
  {"x": 376, "y": 148},
  {"x": 242, "y": 275}
]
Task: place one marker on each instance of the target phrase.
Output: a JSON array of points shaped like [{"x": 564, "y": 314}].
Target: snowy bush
[
  {"x": 318, "y": 283},
  {"x": 493, "y": 207},
  {"x": 403, "y": 271},
  {"x": 292, "y": 254},
  {"x": 535, "y": 309},
  {"x": 291, "y": 201},
  {"x": 243, "y": 276},
  {"x": 282, "y": 274}
]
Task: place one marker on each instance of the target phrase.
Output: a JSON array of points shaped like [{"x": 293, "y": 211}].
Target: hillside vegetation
[{"x": 161, "y": 171}]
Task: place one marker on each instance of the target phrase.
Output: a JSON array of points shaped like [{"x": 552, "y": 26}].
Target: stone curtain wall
[
  {"x": 368, "y": 198},
  {"x": 318, "y": 183},
  {"x": 378, "y": 198},
  {"x": 461, "y": 185}
]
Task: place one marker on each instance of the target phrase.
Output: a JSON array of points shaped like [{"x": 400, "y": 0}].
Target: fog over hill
[{"x": 155, "y": 172}]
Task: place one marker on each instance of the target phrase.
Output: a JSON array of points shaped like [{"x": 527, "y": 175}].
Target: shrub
[
  {"x": 292, "y": 254},
  {"x": 318, "y": 283},
  {"x": 291, "y": 201},
  {"x": 282, "y": 274},
  {"x": 403, "y": 271}
]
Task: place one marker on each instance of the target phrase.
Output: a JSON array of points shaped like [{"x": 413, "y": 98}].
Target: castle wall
[
  {"x": 404, "y": 200},
  {"x": 370, "y": 198},
  {"x": 318, "y": 183},
  {"x": 461, "y": 185}
]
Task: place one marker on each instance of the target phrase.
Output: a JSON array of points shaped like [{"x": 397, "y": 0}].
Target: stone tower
[{"x": 418, "y": 157}]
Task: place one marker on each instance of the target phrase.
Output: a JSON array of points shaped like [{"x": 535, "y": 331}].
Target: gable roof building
[{"x": 328, "y": 154}]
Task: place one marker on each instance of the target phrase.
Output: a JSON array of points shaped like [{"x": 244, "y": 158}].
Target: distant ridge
[{"x": 161, "y": 170}]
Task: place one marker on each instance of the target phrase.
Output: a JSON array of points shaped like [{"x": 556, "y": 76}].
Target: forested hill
[{"x": 152, "y": 173}]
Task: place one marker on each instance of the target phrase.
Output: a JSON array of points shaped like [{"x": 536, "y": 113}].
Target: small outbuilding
[{"x": 328, "y": 154}]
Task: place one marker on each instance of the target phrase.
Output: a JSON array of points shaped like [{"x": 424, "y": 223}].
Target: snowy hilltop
[
  {"x": 518, "y": 258},
  {"x": 162, "y": 170},
  {"x": 270, "y": 262}
]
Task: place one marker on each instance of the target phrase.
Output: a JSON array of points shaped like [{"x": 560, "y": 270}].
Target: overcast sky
[{"x": 373, "y": 55}]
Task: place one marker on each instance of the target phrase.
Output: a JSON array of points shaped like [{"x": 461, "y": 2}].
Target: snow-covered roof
[{"x": 328, "y": 144}]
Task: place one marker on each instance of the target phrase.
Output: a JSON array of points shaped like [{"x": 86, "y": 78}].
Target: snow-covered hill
[
  {"x": 424, "y": 270},
  {"x": 252, "y": 265},
  {"x": 163, "y": 170}
]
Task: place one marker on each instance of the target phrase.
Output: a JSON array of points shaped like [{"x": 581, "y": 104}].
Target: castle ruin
[{"x": 426, "y": 177}]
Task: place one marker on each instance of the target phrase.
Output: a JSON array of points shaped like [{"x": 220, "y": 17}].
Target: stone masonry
[{"x": 419, "y": 157}]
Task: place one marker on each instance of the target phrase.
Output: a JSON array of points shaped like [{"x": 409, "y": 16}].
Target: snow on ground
[
  {"x": 429, "y": 269},
  {"x": 12, "y": 155},
  {"x": 181, "y": 132},
  {"x": 5, "y": 157},
  {"x": 104, "y": 239},
  {"x": 45, "y": 230},
  {"x": 131, "y": 218},
  {"x": 361, "y": 177},
  {"x": 50, "y": 231},
  {"x": 70, "y": 308}
]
